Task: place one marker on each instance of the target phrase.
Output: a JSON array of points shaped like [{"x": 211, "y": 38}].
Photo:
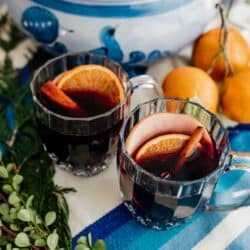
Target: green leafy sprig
[
  {"x": 85, "y": 243},
  {"x": 20, "y": 144},
  {"x": 33, "y": 210},
  {"x": 20, "y": 224}
]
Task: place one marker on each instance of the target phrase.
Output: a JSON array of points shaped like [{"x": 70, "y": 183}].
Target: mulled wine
[
  {"x": 171, "y": 154},
  {"x": 82, "y": 97}
]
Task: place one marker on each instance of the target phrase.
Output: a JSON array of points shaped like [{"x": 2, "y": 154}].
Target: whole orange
[
  {"x": 207, "y": 46},
  {"x": 188, "y": 82},
  {"x": 236, "y": 96}
]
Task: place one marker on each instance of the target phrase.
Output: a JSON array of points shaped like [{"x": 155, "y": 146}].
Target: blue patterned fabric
[{"x": 121, "y": 232}]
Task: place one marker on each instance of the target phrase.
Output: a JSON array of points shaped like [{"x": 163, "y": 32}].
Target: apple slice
[
  {"x": 164, "y": 123},
  {"x": 63, "y": 102}
]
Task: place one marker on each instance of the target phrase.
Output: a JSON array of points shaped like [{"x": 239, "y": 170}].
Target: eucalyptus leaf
[
  {"x": 14, "y": 227},
  {"x": 29, "y": 201},
  {"x": 28, "y": 229},
  {"x": 82, "y": 240},
  {"x": 22, "y": 240},
  {"x": 7, "y": 189},
  {"x": 38, "y": 220},
  {"x": 1, "y": 223},
  {"x": 16, "y": 186},
  {"x": 50, "y": 218},
  {"x": 13, "y": 213},
  {"x": 89, "y": 237},
  {"x": 1, "y": 232},
  {"x": 82, "y": 247},
  {"x": 10, "y": 167},
  {"x": 13, "y": 210},
  {"x": 52, "y": 241},
  {"x": 35, "y": 236},
  {"x": 7, "y": 218},
  {"x": 3, "y": 172},
  {"x": 9, "y": 247},
  {"x": 17, "y": 179},
  {"x": 100, "y": 245},
  {"x": 4, "y": 209},
  {"x": 40, "y": 243},
  {"x": 24, "y": 215},
  {"x": 13, "y": 198}
]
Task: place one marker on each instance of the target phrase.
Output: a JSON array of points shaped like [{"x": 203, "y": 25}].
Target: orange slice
[
  {"x": 164, "y": 123},
  {"x": 93, "y": 78},
  {"x": 162, "y": 145},
  {"x": 59, "y": 77}
]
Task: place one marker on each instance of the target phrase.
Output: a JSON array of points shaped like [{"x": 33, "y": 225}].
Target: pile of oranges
[{"x": 219, "y": 75}]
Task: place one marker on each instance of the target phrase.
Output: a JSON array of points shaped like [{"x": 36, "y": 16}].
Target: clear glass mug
[
  {"x": 161, "y": 203},
  {"x": 83, "y": 146}
]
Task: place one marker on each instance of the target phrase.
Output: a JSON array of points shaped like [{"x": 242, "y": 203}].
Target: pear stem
[{"x": 223, "y": 47}]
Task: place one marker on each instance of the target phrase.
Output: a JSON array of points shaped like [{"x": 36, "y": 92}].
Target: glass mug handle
[
  {"x": 238, "y": 161},
  {"x": 146, "y": 82}
]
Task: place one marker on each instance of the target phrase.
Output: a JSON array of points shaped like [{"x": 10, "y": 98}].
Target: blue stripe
[
  {"x": 118, "y": 11},
  {"x": 195, "y": 232},
  {"x": 134, "y": 236},
  {"x": 242, "y": 242},
  {"x": 229, "y": 179},
  {"x": 107, "y": 224}
]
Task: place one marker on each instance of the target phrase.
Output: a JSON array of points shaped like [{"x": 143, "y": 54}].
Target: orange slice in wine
[
  {"x": 163, "y": 124},
  {"x": 60, "y": 76},
  {"x": 93, "y": 78},
  {"x": 162, "y": 145}
]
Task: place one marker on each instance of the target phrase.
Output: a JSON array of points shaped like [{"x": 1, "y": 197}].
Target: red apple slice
[
  {"x": 164, "y": 123},
  {"x": 55, "y": 95}
]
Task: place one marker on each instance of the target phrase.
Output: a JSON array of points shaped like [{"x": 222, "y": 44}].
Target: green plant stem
[
  {"x": 8, "y": 231},
  {"x": 2, "y": 197}
]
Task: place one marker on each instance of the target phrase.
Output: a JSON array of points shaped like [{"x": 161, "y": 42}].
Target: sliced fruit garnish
[
  {"x": 94, "y": 78},
  {"x": 59, "y": 77},
  {"x": 162, "y": 145},
  {"x": 58, "y": 98},
  {"x": 164, "y": 123}
]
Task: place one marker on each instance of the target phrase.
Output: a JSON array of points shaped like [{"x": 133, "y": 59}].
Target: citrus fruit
[
  {"x": 188, "y": 82},
  {"x": 59, "y": 77},
  {"x": 207, "y": 46},
  {"x": 162, "y": 145},
  {"x": 236, "y": 96},
  {"x": 93, "y": 78},
  {"x": 160, "y": 124}
]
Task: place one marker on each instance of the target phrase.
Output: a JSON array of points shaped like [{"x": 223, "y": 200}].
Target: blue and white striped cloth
[{"x": 206, "y": 230}]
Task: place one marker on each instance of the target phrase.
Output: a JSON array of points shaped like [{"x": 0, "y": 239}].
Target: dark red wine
[
  {"x": 79, "y": 150},
  {"x": 93, "y": 102}
]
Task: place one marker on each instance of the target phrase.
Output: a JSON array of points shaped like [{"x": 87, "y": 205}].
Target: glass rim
[
  {"x": 157, "y": 178},
  {"x": 69, "y": 118}
]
